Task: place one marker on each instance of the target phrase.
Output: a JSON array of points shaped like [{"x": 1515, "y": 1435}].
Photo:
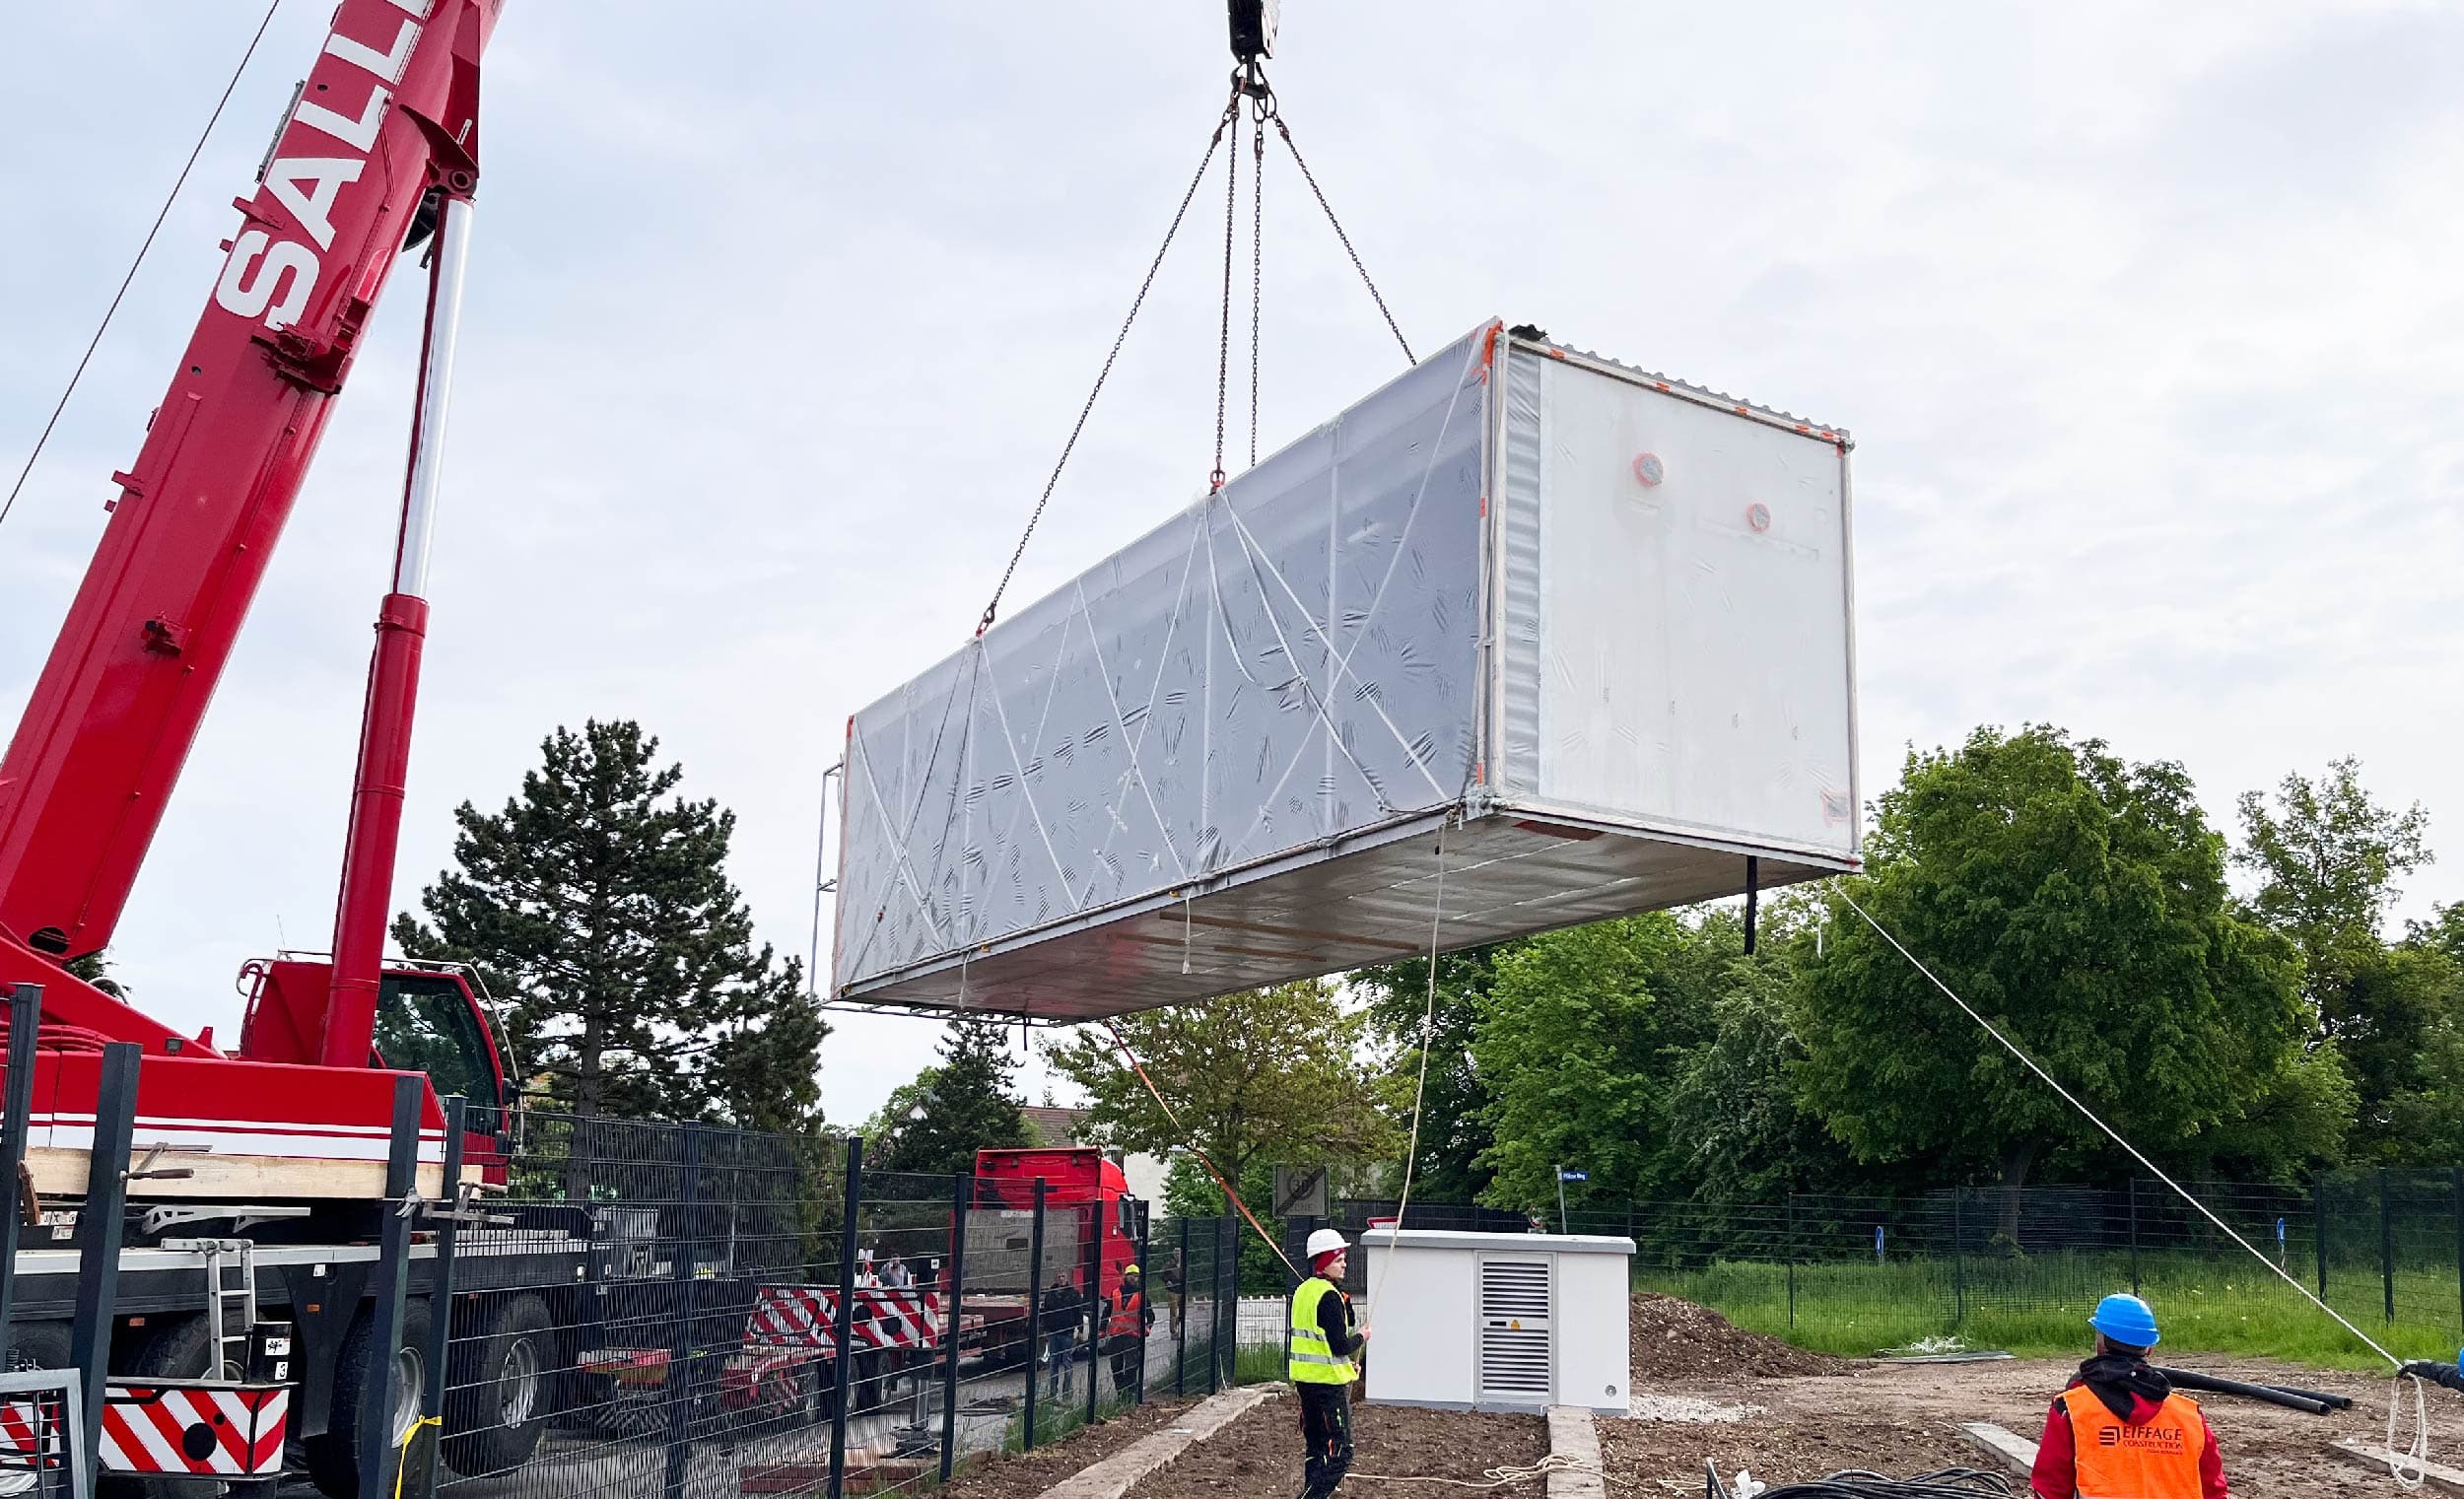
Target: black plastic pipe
[{"x": 2213, "y": 1384}]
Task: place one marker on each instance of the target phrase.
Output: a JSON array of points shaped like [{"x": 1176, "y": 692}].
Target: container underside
[{"x": 1507, "y": 873}]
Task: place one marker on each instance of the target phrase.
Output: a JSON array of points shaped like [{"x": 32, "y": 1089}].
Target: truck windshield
[{"x": 424, "y": 1024}]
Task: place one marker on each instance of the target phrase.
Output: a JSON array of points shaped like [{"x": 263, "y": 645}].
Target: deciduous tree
[{"x": 2079, "y": 903}]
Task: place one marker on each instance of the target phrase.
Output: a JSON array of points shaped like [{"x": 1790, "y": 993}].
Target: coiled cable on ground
[
  {"x": 1858, "y": 1483},
  {"x": 1499, "y": 1477}
]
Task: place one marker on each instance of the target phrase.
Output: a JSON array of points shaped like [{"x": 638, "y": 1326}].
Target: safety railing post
[
  {"x": 100, "y": 1225},
  {"x": 388, "y": 1291},
  {"x": 2386, "y": 1245},
  {"x": 24, "y": 1023},
  {"x": 682, "y": 1279},
  {"x": 2319, "y": 1229},
  {"x": 1035, "y": 1313},
  {"x": 440, "y": 1301},
  {"x": 843, "y": 1329},
  {"x": 1181, "y": 1312},
  {"x": 962, "y": 1198},
  {"x": 2132, "y": 1185}
]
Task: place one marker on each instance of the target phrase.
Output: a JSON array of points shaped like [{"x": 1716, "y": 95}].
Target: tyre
[
  {"x": 334, "y": 1459},
  {"x": 502, "y": 1385}
]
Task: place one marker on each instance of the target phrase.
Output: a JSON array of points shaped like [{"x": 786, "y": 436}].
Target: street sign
[
  {"x": 1574, "y": 1175},
  {"x": 1300, "y": 1191}
]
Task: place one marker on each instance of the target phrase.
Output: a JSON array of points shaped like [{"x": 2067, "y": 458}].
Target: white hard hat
[{"x": 1326, "y": 1241}]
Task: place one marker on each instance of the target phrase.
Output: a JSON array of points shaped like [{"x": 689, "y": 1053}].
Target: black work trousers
[{"x": 1325, "y": 1430}]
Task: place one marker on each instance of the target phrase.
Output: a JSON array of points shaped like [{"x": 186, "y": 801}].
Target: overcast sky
[{"x": 2145, "y": 319}]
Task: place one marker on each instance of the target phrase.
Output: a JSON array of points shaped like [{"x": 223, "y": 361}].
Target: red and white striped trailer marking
[
  {"x": 804, "y": 1316},
  {"x": 231, "y": 1431}
]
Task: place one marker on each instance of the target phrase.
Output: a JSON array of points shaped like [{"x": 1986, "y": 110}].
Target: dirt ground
[
  {"x": 1026, "y": 1475},
  {"x": 1257, "y": 1457},
  {"x": 1901, "y": 1418}
]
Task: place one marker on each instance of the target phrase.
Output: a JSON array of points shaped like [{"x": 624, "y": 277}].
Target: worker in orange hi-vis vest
[{"x": 2120, "y": 1430}]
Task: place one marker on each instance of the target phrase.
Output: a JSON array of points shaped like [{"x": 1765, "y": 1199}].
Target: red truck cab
[{"x": 1086, "y": 1202}]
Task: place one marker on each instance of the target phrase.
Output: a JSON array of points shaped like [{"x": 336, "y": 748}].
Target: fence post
[
  {"x": 2455, "y": 1185},
  {"x": 1035, "y": 1312},
  {"x": 1146, "y": 1297},
  {"x": 440, "y": 1298},
  {"x": 1181, "y": 1313},
  {"x": 2386, "y": 1245},
  {"x": 680, "y": 1334},
  {"x": 1092, "y": 1258},
  {"x": 1790, "y": 1221},
  {"x": 962, "y": 1198},
  {"x": 389, "y": 1292},
  {"x": 100, "y": 1227},
  {"x": 1959, "y": 1263},
  {"x": 1231, "y": 1301},
  {"x": 2133, "y": 1186},
  {"x": 2318, "y": 1228},
  {"x": 842, "y": 1334},
  {"x": 24, "y": 1023}
]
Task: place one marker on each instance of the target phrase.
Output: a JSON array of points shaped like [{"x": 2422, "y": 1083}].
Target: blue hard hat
[{"x": 2126, "y": 1320}]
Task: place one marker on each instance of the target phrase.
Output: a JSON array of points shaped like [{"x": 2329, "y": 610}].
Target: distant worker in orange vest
[
  {"x": 1125, "y": 1332},
  {"x": 2120, "y": 1430}
]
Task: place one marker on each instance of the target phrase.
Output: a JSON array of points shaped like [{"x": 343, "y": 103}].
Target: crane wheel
[
  {"x": 333, "y": 1460},
  {"x": 503, "y": 1385}
]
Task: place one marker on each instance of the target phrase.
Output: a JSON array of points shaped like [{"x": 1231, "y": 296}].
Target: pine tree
[
  {"x": 597, "y": 908},
  {"x": 965, "y": 1104}
]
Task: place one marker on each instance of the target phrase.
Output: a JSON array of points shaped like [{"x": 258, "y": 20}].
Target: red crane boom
[{"x": 381, "y": 146}]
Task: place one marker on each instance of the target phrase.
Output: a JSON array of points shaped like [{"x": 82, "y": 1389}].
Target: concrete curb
[
  {"x": 1114, "y": 1476},
  {"x": 1573, "y": 1435}
]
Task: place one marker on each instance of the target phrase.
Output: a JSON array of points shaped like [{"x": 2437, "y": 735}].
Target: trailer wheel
[
  {"x": 502, "y": 1384},
  {"x": 333, "y": 1460}
]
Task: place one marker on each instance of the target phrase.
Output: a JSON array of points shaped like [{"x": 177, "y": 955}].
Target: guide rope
[
  {"x": 1499, "y": 1477},
  {"x": 161, "y": 214},
  {"x": 1428, "y": 1037},
  {"x": 2417, "y": 1452},
  {"x": 1231, "y": 1194}
]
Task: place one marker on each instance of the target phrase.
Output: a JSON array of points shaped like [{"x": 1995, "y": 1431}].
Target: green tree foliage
[
  {"x": 1737, "y": 1133},
  {"x": 1260, "y": 1077},
  {"x": 1578, "y": 1041},
  {"x": 2079, "y": 903},
  {"x": 2328, "y": 858},
  {"x": 1454, "y": 1132},
  {"x": 597, "y": 908},
  {"x": 966, "y": 1103}
]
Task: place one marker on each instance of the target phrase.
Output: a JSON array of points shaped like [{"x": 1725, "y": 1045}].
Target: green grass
[{"x": 2037, "y": 1306}]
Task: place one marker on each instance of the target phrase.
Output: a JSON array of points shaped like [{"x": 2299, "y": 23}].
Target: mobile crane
[{"x": 377, "y": 156}]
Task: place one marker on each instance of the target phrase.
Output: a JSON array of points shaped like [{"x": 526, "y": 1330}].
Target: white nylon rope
[{"x": 2411, "y": 1458}]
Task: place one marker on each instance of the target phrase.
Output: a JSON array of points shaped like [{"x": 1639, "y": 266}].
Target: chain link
[
  {"x": 1224, "y": 331},
  {"x": 1257, "y": 261},
  {"x": 1231, "y": 115},
  {"x": 1315, "y": 190}
]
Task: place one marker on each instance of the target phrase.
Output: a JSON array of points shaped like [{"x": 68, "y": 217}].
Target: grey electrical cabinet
[{"x": 1524, "y": 639}]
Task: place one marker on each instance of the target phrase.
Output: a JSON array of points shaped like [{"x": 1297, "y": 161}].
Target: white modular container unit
[
  {"x": 1498, "y": 1322},
  {"x": 1526, "y": 638}
]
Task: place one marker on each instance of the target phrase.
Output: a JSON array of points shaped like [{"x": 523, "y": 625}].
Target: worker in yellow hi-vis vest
[{"x": 1319, "y": 1363}]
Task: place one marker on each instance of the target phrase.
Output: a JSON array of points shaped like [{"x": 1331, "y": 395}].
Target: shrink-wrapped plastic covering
[{"x": 1523, "y": 639}]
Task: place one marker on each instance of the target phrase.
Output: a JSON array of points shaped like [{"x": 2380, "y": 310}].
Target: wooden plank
[
  {"x": 2006, "y": 1447},
  {"x": 2370, "y": 1454},
  {"x": 61, "y": 1172}
]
